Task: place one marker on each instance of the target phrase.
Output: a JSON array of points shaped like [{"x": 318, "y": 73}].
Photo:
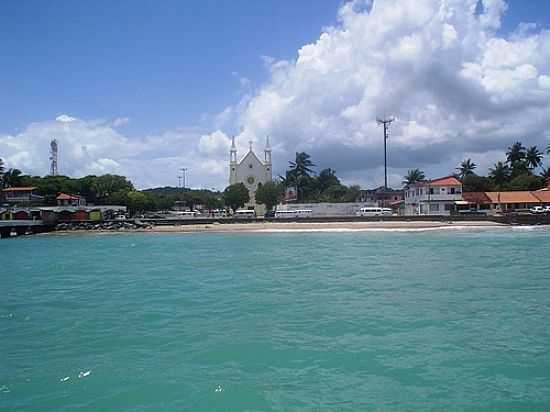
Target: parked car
[
  {"x": 537, "y": 209},
  {"x": 269, "y": 214}
]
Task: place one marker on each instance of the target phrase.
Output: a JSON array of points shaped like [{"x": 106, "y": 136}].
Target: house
[
  {"x": 64, "y": 199},
  {"x": 381, "y": 196},
  {"x": 17, "y": 195},
  {"x": 497, "y": 202},
  {"x": 433, "y": 197},
  {"x": 511, "y": 201}
]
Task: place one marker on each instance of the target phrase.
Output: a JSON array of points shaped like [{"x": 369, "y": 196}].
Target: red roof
[
  {"x": 476, "y": 197},
  {"x": 19, "y": 189},
  {"x": 513, "y": 197},
  {"x": 445, "y": 181},
  {"x": 65, "y": 196},
  {"x": 543, "y": 195}
]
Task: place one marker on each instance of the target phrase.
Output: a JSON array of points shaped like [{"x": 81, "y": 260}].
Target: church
[{"x": 251, "y": 171}]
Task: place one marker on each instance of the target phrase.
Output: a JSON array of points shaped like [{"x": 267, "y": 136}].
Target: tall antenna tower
[
  {"x": 53, "y": 157},
  {"x": 386, "y": 123}
]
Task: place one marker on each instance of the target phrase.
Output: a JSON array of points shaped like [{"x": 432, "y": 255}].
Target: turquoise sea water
[{"x": 455, "y": 321}]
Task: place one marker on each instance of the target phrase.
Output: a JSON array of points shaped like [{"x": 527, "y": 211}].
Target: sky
[{"x": 144, "y": 88}]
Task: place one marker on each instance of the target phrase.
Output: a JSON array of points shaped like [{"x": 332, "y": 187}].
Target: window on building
[
  {"x": 431, "y": 190},
  {"x": 434, "y": 207},
  {"x": 448, "y": 207},
  {"x": 452, "y": 190}
]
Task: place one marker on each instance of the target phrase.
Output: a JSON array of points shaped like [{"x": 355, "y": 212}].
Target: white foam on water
[
  {"x": 382, "y": 229},
  {"x": 84, "y": 374},
  {"x": 218, "y": 389},
  {"x": 4, "y": 389},
  {"x": 65, "y": 379}
]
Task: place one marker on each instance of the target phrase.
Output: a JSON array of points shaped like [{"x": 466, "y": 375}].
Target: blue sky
[
  {"x": 163, "y": 65},
  {"x": 122, "y": 84}
]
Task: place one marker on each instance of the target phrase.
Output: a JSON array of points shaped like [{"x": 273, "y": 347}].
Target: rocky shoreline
[{"x": 102, "y": 226}]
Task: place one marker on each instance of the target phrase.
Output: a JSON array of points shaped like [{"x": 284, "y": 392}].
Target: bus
[
  {"x": 293, "y": 213},
  {"x": 244, "y": 214},
  {"x": 374, "y": 211}
]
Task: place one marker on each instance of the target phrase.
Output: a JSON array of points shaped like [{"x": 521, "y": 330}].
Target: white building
[
  {"x": 433, "y": 197},
  {"x": 250, "y": 171}
]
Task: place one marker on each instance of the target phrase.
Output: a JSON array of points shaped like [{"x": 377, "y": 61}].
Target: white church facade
[{"x": 251, "y": 171}]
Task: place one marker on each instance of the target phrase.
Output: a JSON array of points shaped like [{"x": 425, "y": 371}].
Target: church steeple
[
  {"x": 267, "y": 151},
  {"x": 233, "y": 162},
  {"x": 233, "y": 152}
]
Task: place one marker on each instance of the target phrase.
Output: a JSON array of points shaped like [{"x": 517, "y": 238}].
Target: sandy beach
[{"x": 320, "y": 227}]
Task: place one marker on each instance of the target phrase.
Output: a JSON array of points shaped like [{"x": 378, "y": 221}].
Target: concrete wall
[{"x": 327, "y": 209}]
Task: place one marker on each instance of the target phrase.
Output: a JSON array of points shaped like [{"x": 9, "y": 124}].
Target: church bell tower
[{"x": 233, "y": 162}]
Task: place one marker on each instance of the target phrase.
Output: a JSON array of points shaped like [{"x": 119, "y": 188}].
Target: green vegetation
[
  {"x": 413, "y": 176},
  {"x": 269, "y": 194},
  {"x": 326, "y": 187},
  {"x": 235, "y": 196}
]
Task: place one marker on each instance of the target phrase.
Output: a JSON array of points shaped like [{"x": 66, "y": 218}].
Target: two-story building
[
  {"x": 433, "y": 197},
  {"x": 21, "y": 195}
]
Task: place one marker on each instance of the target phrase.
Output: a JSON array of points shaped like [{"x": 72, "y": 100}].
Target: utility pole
[
  {"x": 53, "y": 157},
  {"x": 179, "y": 181},
  {"x": 184, "y": 172},
  {"x": 386, "y": 123}
]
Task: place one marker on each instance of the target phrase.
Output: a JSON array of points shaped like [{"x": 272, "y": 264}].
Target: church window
[
  {"x": 250, "y": 165},
  {"x": 268, "y": 169},
  {"x": 233, "y": 168}
]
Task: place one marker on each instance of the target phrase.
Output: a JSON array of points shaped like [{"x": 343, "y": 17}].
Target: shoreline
[{"x": 304, "y": 227}]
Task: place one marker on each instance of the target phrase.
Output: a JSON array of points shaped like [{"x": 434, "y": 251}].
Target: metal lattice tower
[{"x": 53, "y": 157}]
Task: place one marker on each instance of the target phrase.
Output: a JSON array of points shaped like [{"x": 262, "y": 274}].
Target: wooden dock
[{"x": 9, "y": 228}]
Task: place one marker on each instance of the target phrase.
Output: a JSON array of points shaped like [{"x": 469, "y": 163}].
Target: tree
[
  {"x": 525, "y": 182},
  {"x": 235, "y": 196},
  {"x": 516, "y": 159},
  {"x": 413, "y": 176},
  {"x": 500, "y": 173},
  {"x": 269, "y": 194},
  {"x": 352, "y": 193},
  {"x": 327, "y": 178},
  {"x": 475, "y": 183},
  {"x": 104, "y": 185},
  {"x": 533, "y": 157},
  {"x": 466, "y": 168},
  {"x": 13, "y": 177},
  {"x": 545, "y": 174},
  {"x": 138, "y": 202},
  {"x": 299, "y": 172}
]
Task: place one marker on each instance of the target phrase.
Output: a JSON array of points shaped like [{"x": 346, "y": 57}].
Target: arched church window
[{"x": 250, "y": 165}]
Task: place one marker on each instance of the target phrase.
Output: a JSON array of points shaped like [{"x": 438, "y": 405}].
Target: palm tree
[
  {"x": 515, "y": 153},
  {"x": 500, "y": 173},
  {"x": 300, "y": 170},
  {"x": 413, "y": 176},
  {"x": 466, "y": 168},
  {"x": 12, "y": 177},
  {"x": 533, "y": 157},
  {"x": 302, "y": 164},
  {"x": 545, "y": 174}
]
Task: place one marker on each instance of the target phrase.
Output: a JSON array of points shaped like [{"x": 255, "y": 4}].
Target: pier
[{"x": 23, "y": 227}]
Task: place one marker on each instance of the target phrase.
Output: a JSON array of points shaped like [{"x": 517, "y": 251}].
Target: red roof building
[{"x": 64, "y": 199}]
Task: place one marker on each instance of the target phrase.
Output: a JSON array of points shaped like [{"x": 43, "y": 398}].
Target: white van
[{"x": 244, "y": 214}]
